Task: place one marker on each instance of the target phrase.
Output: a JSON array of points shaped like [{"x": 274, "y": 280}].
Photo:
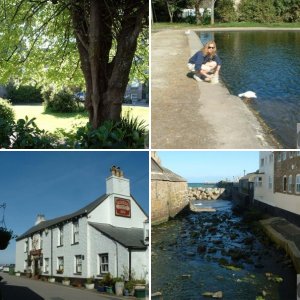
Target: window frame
[
  {"x": 75, "y": 232},
  {"x": 297, "y": 184},
  {"x": 60, "y": 236},
  {"x": 78, "y": 258},
  {"x": 103, "y": 263},
  {"x": 290, "y": 184}
]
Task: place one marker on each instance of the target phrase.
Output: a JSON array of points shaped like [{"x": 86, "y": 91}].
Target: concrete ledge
[{"x": 285, "y": 243}]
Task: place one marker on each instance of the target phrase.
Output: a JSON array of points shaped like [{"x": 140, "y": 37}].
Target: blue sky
[
  {"x": 57, "y": 183},
  {"x": 210, "y": 166}
]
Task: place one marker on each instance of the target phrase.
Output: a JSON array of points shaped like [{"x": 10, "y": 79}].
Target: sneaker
[{"x": 196, "y": 77}]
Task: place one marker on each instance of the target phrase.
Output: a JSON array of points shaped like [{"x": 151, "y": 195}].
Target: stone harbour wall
[
  {"x": 204, "y": 193},
  {"x": 167, "y": 200}
]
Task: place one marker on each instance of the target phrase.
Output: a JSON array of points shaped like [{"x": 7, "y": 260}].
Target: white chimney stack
[
  {"x": 116, "y": 183},
  {"x": 40, "y": 218}
]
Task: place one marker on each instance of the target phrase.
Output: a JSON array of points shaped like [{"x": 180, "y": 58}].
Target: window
[
  {"x": 60, "y": 265},
  {"x": 270, "y": 158},
  {"x": 262, "y": 161},
  {"x": 26, "y": 246},
  {"x": 283, "y": 155},
  {"x": 284, "y": 184},
  {"x": 298, "y": 153},
  {"x": 103, "y": 258},
  {"x": 297, "y": 185},
  {"x": 259, "y": 181},
  {"x": 78, "y": 264},
  {"x": 290, "y": 183},
  {"x": 134, "y": 96},
  {"x": 291, "y": 154},
  {"x": 46, "y": 265},
  {"x": 60, "y": 236},
  {"x": 270, "y": 182},
  {"x": 278, "y": 156},
  {"x": 75, "y": 232}
]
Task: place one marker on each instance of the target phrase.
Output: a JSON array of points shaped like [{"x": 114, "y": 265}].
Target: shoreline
[{"x": 269, "y": 137}]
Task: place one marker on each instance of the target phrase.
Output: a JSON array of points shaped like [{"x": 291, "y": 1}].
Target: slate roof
[
  {"x": 160, "y": 173},
  {"x": 50, "y": 223},
  {"x": 128, "y": 237}
]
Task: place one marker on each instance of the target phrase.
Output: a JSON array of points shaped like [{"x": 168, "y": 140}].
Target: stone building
[
  {"x": 108, "y": 235},
  {"x": 277, "y": 186},
  {"x": 168, "y": 192}
]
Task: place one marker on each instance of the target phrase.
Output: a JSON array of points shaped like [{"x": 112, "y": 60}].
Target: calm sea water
[
  {"x": 267, "y": 63},
  {"x": 201, "y": 184}
]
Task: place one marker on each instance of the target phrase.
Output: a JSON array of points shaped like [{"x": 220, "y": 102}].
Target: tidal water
[
  {"x": 201, "y": 185},
  {"x": 268, "y": 63},
  {"x": 195, "y": 253}
]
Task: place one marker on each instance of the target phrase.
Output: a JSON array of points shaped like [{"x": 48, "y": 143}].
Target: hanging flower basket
[{"x": 5, "y": 236}]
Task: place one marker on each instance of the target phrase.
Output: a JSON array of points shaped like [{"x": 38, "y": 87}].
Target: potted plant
[
  {"x": 140, "y": 288},
  {"x": 100, "y": 286},
  {"x": 119, "y": 286},
  {"x": 108, "y": 283},
  {"x": 5, "y": 236},
  {"x": 129, "y": 288},
  {"x": 89, "y": 283},
  {"x": 60, "y": 271},
  {"x": 51, "y": 279},
  {"x": 66, "y": 281}
]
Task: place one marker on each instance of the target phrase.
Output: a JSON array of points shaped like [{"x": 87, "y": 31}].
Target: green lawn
[
  {"x": 159, "y": 26},
  {"x": 52, "y": 121}
]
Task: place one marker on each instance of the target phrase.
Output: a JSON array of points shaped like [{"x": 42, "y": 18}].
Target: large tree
[{"x": 48, "y": 39}]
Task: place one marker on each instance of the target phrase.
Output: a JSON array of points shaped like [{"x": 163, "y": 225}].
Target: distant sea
[{"x": 201, "y": 184}]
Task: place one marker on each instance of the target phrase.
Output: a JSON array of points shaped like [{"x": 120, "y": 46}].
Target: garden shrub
[
  {"x": 23, "y": 94},
  {"x": 288, "y": 10},
  {"x": 7, "y": 117},
  {"x": 61, "y": 102},
  {"x": 225, "y": 12},
  {"x": 129, "y": 133},
  {"x": 257, "y": 11}
]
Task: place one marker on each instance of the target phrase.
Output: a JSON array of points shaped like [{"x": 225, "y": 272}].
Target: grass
[
  {"x": 67, "y": 121},
  {"x": 159, "y": 26}
]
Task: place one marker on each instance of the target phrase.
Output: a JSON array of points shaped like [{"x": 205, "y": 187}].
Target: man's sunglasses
[{"x": 211, "y": 47}]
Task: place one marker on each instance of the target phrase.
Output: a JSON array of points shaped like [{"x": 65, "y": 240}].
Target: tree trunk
[
  {"x": 197, "y": 12},
  {"x": 170, "y": 11},
  {"x": 96, "y": 30},
  {"x": 212, "y": 17}
]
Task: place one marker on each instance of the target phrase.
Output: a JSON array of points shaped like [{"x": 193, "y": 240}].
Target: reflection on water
[
  {"x": 268, "y": 63},
  {"x": 188, "y": 253}
]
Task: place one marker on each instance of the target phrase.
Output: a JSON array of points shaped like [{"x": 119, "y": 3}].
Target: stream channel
[{"x": 196, "y": 253}]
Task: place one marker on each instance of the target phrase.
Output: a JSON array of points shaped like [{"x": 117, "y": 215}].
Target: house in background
[
  {"x": 277, "y": 187},
  {"x": 136, "y": 92},
  {"x": 108, "y": 235}
]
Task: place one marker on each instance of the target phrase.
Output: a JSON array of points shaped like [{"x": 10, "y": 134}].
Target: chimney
[
  {"x": 40, "y": 218},
  {"x": 116, "y": 183}
]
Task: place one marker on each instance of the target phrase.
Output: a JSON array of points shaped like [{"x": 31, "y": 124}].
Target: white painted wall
[
  {"x": 105, "y": 213},
  {"x": 118, "y": 257},
  {"x": 140, "y": 264}
]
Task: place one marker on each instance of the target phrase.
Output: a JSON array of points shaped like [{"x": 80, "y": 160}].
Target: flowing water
[
  {"x": 209, "y": 252},
  {"x": 268, "y": 63}
]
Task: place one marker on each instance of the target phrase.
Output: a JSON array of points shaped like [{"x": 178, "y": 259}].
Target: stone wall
[
  {"x": 290, "y": 165},
  {"x": 168, "y": 199}
]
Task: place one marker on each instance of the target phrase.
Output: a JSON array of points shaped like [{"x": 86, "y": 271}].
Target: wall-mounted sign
[{"x": 122, "y": 207}]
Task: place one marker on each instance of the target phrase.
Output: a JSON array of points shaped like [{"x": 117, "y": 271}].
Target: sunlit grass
[
  {"x": 67, "y": 121},
  {"x": 158, "y": 26}
]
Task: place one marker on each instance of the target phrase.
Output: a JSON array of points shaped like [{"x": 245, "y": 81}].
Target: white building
[
  {"x": 108, "y": 235},
  {"x": 277, "y": 186}
]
